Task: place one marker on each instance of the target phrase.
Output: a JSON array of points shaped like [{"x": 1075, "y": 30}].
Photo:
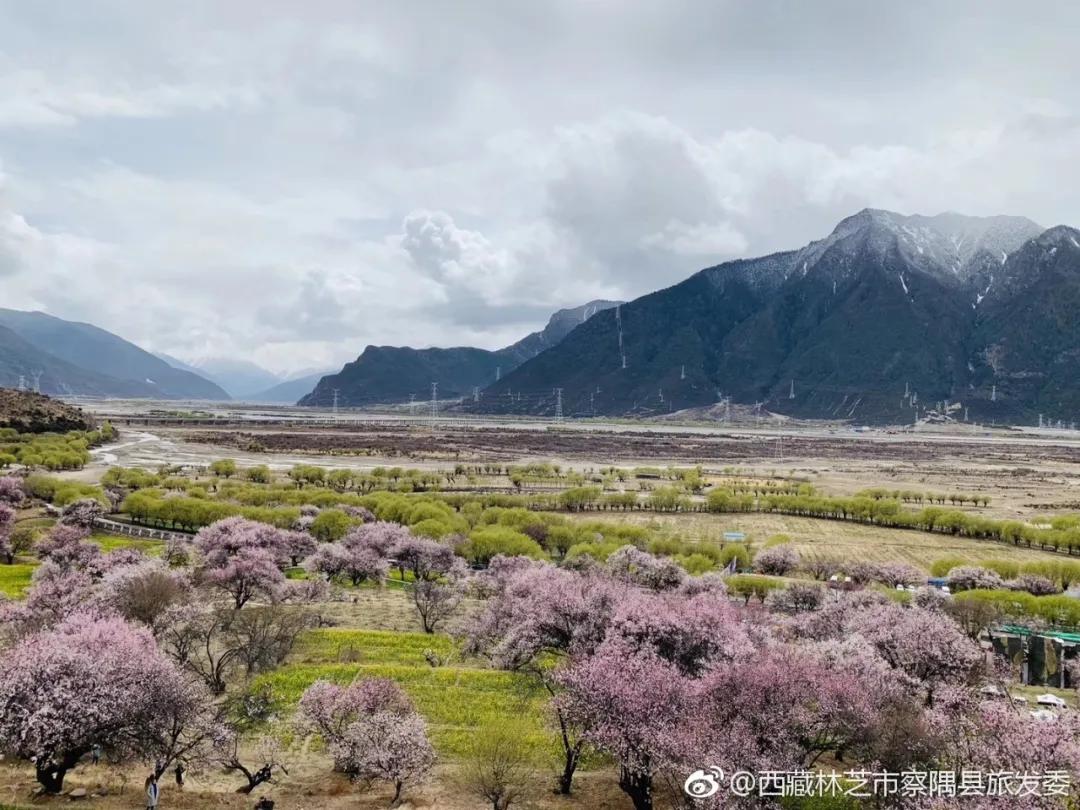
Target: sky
[{"x": 287, "y": 182}]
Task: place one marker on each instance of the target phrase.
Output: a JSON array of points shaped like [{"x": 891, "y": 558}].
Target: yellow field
[{"x": 832, "y": 538}]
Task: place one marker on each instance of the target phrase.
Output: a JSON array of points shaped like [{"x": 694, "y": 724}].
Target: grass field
[
  {"x": 814, "y": 538},
  {"x": 15, "y": 579},
  {"x": 457, "y": 700},
  {"x": 112, "y": 542}
]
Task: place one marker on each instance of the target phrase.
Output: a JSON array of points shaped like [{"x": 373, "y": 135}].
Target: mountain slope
[
  {"x": 28, "y": 412},
  {"x": 19, "y": 358},
  {"x": 393, "y": 374},
  {"x": 103, "y": 353},
  {"x": 841, "y": 328},
  {"x": 1027, "y": 342},
  {"x": 237, "y": 377},
  {"x": 288, "y": 392}
]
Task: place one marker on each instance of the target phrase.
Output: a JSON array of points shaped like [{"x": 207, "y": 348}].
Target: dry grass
[{"x": 832, "y": 538}]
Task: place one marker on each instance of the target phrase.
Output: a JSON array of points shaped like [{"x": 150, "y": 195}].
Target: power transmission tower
[
  {"x": 993, "y": 393},
  {"x": 660, "y": 391},
  {"x": 791, "y": 394},
  {"x": 618, "y": 322},
  {"x": 22, "y": 382},
  {"x": 412, "y": 404},
  {"x": 682, "y": 375},
  {"x": 37, "y": 381},
  {"x": 476, "y": 393},
  {"x": 336, "y": 392},
  {"x": 434, "y": 401},
  {"x": 558, "y": 404},
  {"x": 592, "y": 404}
]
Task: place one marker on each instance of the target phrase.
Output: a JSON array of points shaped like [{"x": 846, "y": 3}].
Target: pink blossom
[
  {"x": 89, "y": 681},
  {"x": 329, "y": 709},
  {"x": 7, "y": 523},
  {"x": 777, "y": 560},
  {"x": 82, "y": 512},
  {"x": 11, "y": 490},
  {"x": 631, "y": 564},
  {"x": 245, "y": 574},
  {"x": 632, "y": 707},
  {"x": 693, "y": 634},
  {"x": 221, "y": 540},
  {"x": 385, "y": 746},
  {"x": 66, "y": 547}
]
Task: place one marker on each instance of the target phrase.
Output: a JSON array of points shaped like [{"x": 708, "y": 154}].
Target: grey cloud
[{"x": 248, "y": 177}]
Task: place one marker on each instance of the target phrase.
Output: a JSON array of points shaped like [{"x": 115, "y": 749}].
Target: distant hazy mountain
[
  {"x": 949, "y": 308},
  {"x": 78, "y": 358},
  {"x": 240, "y": 378},
  {"x": 177, "y": 363},
  {"x": 393, "y": 373},
  {"x": 289, "y": 391}
]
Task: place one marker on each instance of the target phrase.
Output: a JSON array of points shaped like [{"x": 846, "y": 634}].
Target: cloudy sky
[{"x": 289, "y": 181}]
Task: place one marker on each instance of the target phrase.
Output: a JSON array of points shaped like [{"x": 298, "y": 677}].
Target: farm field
[
  {"x": 477, "y": 493},
  {"x": 814, "y": 538},
  {"x": 15, "y": 579}
]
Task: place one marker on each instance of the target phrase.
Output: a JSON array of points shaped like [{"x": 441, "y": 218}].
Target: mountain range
[
  {"x": 393, "y": 374},
  {"x": 889, "y": 318},
  {"x": 885, "y": 318},
  {"x": 67, "y": 357}
]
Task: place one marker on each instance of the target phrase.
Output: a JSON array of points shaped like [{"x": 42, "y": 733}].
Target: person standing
[
  {"x": 180, "y": 775},
  {"x": 152, "y": 792}
]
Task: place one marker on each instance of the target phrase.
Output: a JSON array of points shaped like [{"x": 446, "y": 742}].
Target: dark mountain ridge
[
  {"x": 885, "y": 317},
  {"x": 79, "y": 358},
  {"x": 387, "y": 374}
]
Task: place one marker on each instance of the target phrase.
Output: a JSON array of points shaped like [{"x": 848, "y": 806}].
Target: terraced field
[{"x": 456, "y": 698}]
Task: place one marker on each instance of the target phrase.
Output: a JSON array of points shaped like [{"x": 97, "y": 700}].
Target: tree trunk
[
  {"x": 51, "y": 777},
  {"x": 566, "y": 778},
  {"x": 638, "y": 786}
]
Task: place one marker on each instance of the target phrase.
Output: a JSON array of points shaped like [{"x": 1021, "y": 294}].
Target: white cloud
[{"x": 242, "y": 178}]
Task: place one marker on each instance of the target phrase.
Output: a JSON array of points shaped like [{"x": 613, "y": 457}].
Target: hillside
[
  {"x": 287, "y": 392},
  {"x": 393, "y": 373},
  {"x": 239, "y": 378},
  {"x": 947, "y": 309},
  {"x": 105, "y": 357},
  {"x": 28, "y": 412},
  {"x": 23, "y": 362}
]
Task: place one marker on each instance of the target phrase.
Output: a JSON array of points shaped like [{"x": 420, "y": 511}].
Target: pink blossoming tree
[{"x": 89, "y": 681}]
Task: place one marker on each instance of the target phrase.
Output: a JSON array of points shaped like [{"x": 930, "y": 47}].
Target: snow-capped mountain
[{"x": 886, "y": 304}]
